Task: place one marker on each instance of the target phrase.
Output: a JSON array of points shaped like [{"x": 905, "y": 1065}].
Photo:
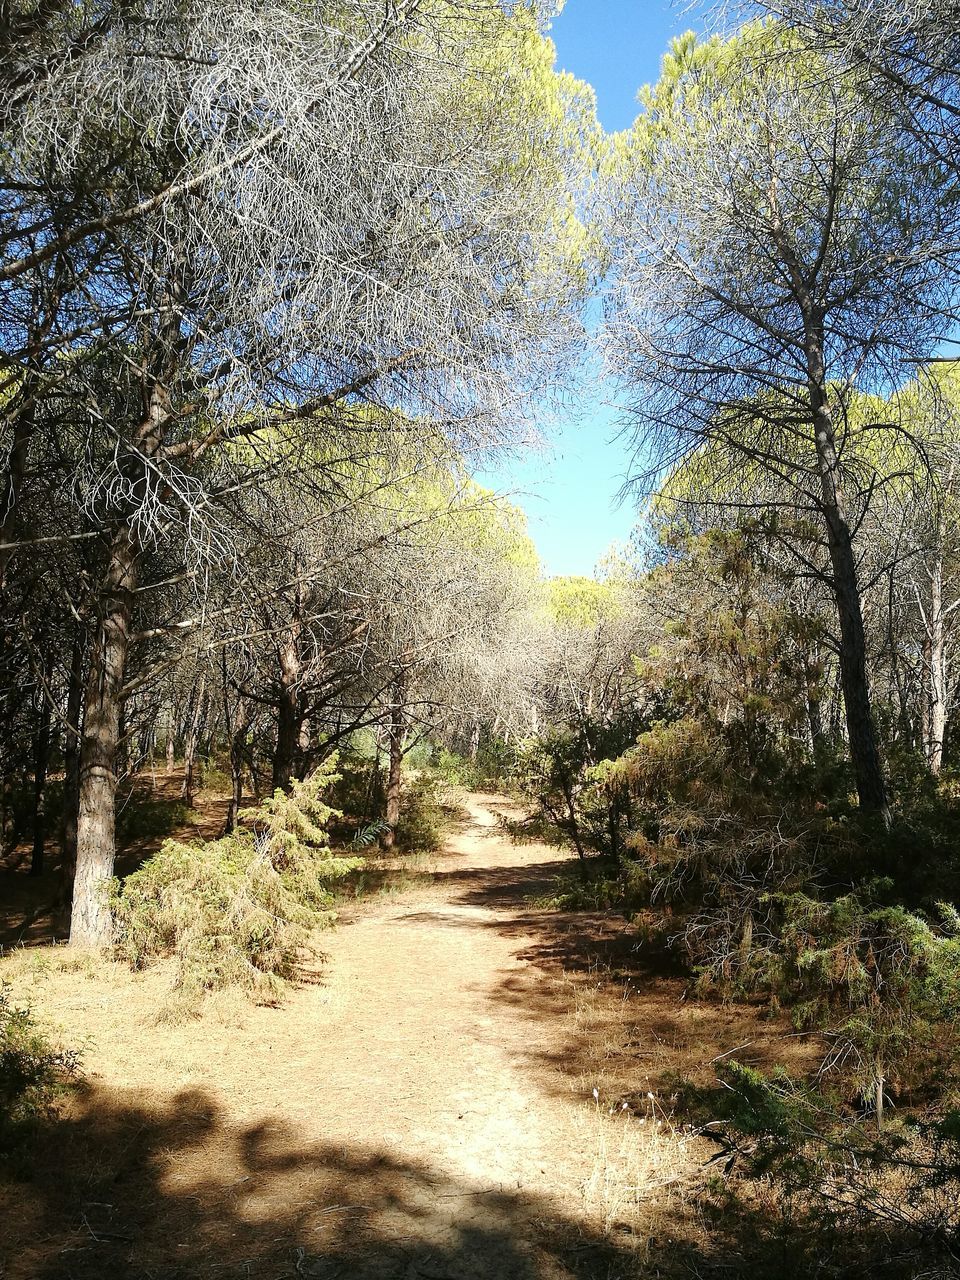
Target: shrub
[
  {"x": 238, "y": 910},
  {"x": 624, "y": 888},
  {"x": 495, "y": 764},
  {"x": 906, "y": 1177},
  {"x": 146, "y": 817},
  {"x": 33, "y": 1073},
  {"x": 422, "y": 820},
  {"x": 880, "y": 981},
  {"x": 357, "y": 792}
]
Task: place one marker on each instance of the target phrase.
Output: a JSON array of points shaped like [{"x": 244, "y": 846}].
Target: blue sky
[{"x": 569, "y": 493}]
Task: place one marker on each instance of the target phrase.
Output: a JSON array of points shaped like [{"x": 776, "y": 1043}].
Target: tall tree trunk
[
  {"x": 12, "y": 482},
  {"x": 41, "y": 761},
  {"x": 238, "y": 760},
  {"x": 193, "y": 737},
  {"x": 289, "y": 715},
  {"x": 813, "y": 675},
  {"x": 71, "y": 772},
  {"x": 396, "y": 736},
  {"x": 936, "y": 673},
  {"x": 861, "y": 730},
  {"x": 235, "y": 724},
  {"x": 90, "y": 922}
]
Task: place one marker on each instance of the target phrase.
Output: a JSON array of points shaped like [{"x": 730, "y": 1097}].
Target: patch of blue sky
[{"x": 571, "y": 490}]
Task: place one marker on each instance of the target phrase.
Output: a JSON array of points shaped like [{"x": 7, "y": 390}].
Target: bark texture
[{"x": 90, "y": 921}]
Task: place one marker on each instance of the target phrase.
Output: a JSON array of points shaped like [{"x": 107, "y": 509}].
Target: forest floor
[{"x": 463, "y": 1085}]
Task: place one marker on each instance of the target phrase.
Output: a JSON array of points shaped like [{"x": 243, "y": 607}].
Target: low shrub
[
  {"x": 422, "y": 819},
  {"x": 625, "y": 890},
  {"x": 881, "y": 982},
  {"x": 826, "y": 1163},
  {"x": 239, "y": 910},
  {"x": 147, "y": 817},
  {"x": 357, "y": 793},
  {"x": 495, "y": 765},
  {"x": 33, "y": 1072}
]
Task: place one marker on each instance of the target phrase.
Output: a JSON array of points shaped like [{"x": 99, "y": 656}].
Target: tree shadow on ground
[
  {"x": 172, "y": 1191},
  {"x": 123, "y": 1189},
  {"x": 633, "y": 1000}
]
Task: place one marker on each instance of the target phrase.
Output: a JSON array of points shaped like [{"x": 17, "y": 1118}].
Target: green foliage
[
  {"x": 569, "y": 773},
  {"x": 422, "y": 821},
  {"x": 495, "y": 765},
  {"x": 149, "y": 817},
  {"x": 33, "y": 1072},
  {"x": 239, "y": 910},
  {"x": 626, "y": 889},
  {"x": 882, "y": 982},
  {"x": 831, "y": 1170},
  {"x": 357, "y": 790},
  {"x": 366, "y": 837}
]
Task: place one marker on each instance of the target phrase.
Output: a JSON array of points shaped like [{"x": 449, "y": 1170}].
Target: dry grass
[{"x": 639, "y": 1162}]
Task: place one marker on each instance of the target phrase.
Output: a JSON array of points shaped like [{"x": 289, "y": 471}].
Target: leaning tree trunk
[
  {"x": 90, "y": 923},
  {"x": 861, "y": 730}
]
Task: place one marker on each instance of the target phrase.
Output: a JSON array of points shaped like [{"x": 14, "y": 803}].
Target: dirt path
[{"x": 414, "y": 1112}]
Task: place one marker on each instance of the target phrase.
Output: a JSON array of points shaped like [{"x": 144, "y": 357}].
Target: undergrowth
[
  {"x": 891, "y": 1197},
  {"x": 422, "y": 822},
  {"x": 34, "y": 1073},
  {"x": 238, "y": 910}
]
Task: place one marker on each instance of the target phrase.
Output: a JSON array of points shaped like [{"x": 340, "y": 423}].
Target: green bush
[
  {"x": 239, "y": 910},
  {"x": 33, "y": 1073},
  {"x": 880, "y": 981},
  {"x": 147, "y": 817},
  {"x": 829, "y": 1167},
  {"x": 422, "y": 819},
  {"x": 623, "y": 891},
  {"x": 357, "y": 792},
  {"x": 495, "y": 765}
]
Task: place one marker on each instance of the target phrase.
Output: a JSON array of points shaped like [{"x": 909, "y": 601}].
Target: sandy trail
[{"x": 394, "y": 1119}]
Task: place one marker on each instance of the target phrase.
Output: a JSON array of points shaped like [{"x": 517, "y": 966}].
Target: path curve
[{"x": 404, "y": 1115}]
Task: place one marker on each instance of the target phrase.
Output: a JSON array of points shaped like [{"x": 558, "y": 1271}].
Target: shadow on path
[
  {"x": 120, "y": 1190},
  {"x": 137, "y": 1192}
]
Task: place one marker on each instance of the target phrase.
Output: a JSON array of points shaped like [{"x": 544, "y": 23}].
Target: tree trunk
[
  {"x": 861, "y": 731},
  {"x": 813, "y": 693},
  {"x": 193, "y": 737},
  {"x": 90, "y": 923},
  {"x": 396, "y": 736},
  {"x": 41, "y": 761},
  {"x": 238, "y": 758},
  {"x": 936, "y": 672},
  {"x": 289, "y": 716},
  {"x": 22, "y": 420},
  {"x": 71, "y": 772}
]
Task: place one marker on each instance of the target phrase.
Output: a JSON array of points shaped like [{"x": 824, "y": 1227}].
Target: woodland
[{"x": 278, "y": 279}]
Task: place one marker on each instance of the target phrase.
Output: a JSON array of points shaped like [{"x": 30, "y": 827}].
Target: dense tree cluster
[{"x": 259, "y": 261}]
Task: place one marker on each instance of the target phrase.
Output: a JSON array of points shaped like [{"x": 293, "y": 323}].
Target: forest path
[{"x": 413, "y": 1110}]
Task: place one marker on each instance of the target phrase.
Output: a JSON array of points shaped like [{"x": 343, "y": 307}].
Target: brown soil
[{"x": 466, "y": 1086}]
